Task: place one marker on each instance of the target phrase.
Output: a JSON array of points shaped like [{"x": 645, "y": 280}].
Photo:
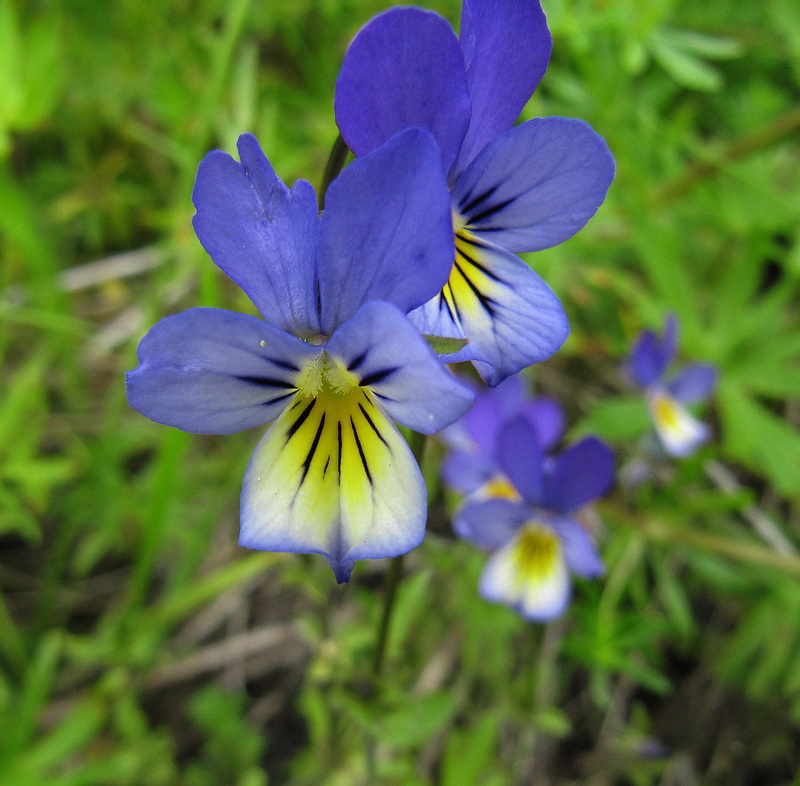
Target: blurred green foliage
[{"x": 138, "y": 645}]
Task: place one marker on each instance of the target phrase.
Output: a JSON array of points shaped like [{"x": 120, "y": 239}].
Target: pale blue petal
[
  {"x": 510, "y": 316},
  {"x": 695, "y": 382},
  {"x": 467, "y": 471},
  {"x": 580, "y": 552},
  {"x": 209, "y": 371},
  {"x": 490, "y": 523},
  {"x": 535, "y": 185}
]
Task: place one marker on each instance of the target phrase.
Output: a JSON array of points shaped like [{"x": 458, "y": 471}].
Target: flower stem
[
  {"x": 335, "y": 164},
  {"x": 390, "y": 584},
  {"x": 417, "y": 444}
]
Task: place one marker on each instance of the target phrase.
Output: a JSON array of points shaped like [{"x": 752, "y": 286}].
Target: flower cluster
[
  {"x": 679, "y": 432},
  {"x": 523, "y": 500},
  {"x": 417, "y": 240}
]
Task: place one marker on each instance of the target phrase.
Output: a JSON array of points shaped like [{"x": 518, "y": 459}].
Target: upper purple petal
[
  {"x": 383, "y": 349},
  {"x": 581, "y": 473},
  {"x": 651, "y": 354},
  {"x": 694, "y": 382},
  {"x": 386, "y": 233},
  {"x": 261, "y": 234},
  {"x": 506, "y": 47},
  {"x": 403, "y": 69},
  {"x": 547, "y": 417},
  {"x": 491, "y": 408},
  {"x": 209, "y": 371},
  {"x": 519, "y": 454},
  {"x": 535, "y": 185}
]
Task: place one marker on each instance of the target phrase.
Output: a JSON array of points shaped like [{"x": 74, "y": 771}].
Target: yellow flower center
[
  {"x": 665, "y": 412},
  {"x": 536, "y": 551},
  {"x": 326, "y": 374},
  {"x": 498, "y": 487}
]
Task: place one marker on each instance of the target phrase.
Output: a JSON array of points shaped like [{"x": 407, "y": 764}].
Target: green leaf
[
  {"x": 761, "y": 440},
  {"x": 418, "y": 720},
  {"x": 616, "y": 419},
  {"x": 686, "y": 69},
  {"x": 711, "y": 46},
  {"x": 468, "y": 752},
  {"x": 406, "y": 723},
  {"x": 10, "y": 47}
]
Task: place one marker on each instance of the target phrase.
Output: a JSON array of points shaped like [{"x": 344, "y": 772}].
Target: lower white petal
[
  {"x": 333, "y": 476},
  {"x": 678, "y": 430},
  {"x": 529, "y": 573}
]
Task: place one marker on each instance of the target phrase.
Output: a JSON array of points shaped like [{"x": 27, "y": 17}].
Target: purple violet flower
[
  {"x": 678, "y": 430},
  {"x": 522, "y": 503},
  {"x": 334, "y": 358},
  {"x": 513, "y": 189}
]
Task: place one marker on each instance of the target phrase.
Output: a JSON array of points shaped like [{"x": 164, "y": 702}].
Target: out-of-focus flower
[
  {"x": 516, "y": 189},
  {"x": 522, "y": 504},
  {"x": 678, "y": 430},
  {"x": 334, "y": 359}
]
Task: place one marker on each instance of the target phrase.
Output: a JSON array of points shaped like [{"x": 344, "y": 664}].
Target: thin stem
[
  {"x": 769, "y": 531},
  {"x": 660, "y": 531},
  {"x": 783, "y": 127},
  {"x": 391, "y": 582},
  {"x": 417, "y": 444},
  {"x": 336, "y": 161}
]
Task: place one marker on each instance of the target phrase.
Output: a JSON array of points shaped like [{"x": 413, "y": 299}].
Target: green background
[{"x": 140, "y": 645}]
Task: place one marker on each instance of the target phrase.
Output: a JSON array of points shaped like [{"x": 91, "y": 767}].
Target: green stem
[
  {"x": 785, "y": 126},
  {"x": 390, "y": 584},
  {"x": 336, "y": 161},
  {"x": 416, "y": 442},
  {"x": 660, "y": 531}
]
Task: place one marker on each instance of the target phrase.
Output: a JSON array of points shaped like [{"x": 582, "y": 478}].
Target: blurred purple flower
[
  {"x": 678, "y": 430},
  {"x": 513, "y": 189},
  {"x": 334, "y": 358},
  {"x": 522, "y": 503}
]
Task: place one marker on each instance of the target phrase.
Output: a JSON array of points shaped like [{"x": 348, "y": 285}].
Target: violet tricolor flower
[
  {"x": 679, "y": 431},
  {"x": 535, "y": 541},
  {"x": 334, "y": 358},
  {"x": 513, "y": 189}
]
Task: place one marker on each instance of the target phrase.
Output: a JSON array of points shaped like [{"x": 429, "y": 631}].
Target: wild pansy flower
[
  {"x": 534, "y": 539},
  {"x": 470, "y": 465},
  {"x": 334, "y": 358},
  {"x": 678, "y": 430},
  {"x": 516, "y": 189}
]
